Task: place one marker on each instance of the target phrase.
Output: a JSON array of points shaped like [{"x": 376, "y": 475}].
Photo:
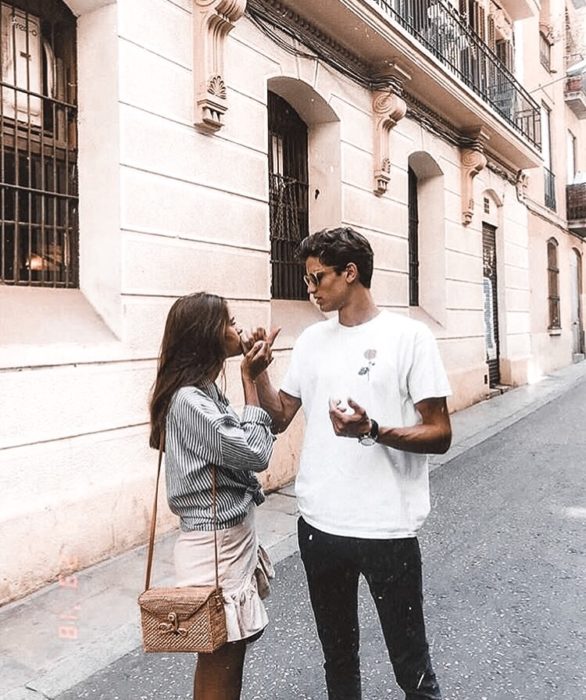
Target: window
[
  {"x": 38, "y": 145},
  {"x": 549, "y": 177},
  {"x": 545, "y": 51},
  {"x": 288, "y": 197},
  {"x": 413, "y": 240},
  {"x": 505, "y": 51},
  {"x": 553, "y": 275},
  {"x": 475, "y": 16},
  {"x": 571, "y": 160}
]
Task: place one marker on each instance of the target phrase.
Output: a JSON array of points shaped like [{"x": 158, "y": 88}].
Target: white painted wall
[{"x": 166, "y": 210}]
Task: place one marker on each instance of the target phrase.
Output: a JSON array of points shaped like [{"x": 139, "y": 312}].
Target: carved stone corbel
[
  {"x": 472, "y": 161},
  {"x": 388, "y": 108},
  {"x": 213, "y": 20},
  {"x": 521, "y": 185}
]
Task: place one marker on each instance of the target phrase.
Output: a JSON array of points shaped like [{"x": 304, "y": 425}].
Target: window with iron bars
[
  {"x": 545, "y": 51},
  {"x": 413, "y": 240},
  {"x": 288, "y": 197},
  {"x": 38, "y": 145},
  {"x": 553, "y": 274}
]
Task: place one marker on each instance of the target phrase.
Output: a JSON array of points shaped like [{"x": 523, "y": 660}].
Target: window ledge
[
  {"x": 52, "y": 326},
  {"x": 554, "y": 331}
]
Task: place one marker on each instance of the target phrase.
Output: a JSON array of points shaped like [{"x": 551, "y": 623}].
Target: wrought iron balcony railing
[{"x": 442, "y": 30}]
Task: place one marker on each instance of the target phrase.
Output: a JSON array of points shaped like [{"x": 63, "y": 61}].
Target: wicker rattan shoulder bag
[{"x": 187, "y": 619}]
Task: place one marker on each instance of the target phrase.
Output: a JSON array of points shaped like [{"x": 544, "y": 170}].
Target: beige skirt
[{"x": 244, "y": 570}]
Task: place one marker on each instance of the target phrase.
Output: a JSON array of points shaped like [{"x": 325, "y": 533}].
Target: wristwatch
[{"x": 370, "y": 438}]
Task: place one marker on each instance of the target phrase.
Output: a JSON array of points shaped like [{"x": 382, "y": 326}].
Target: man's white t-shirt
[{"x": 386, "y": 365}]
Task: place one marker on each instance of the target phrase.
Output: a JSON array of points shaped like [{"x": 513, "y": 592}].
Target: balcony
[
  {"x": 575, "y": 95},
  {"x": 446, "y": 66},
  {"x": 439, "y": 27},
  {"x": 576, "y": 208}
]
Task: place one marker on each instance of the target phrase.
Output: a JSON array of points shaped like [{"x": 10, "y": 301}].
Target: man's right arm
[{"x": 280, "y": 406}]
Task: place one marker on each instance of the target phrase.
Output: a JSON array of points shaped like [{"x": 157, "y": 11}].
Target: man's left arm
[{"x": 433, "y": 435}]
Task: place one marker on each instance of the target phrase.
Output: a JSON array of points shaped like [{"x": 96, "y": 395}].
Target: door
[
  {"x": 491, "y": 321},
  {"x": 576, "y": 277}
]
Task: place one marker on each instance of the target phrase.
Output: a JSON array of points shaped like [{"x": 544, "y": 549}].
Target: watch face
[{"x": 366, "y": 440}]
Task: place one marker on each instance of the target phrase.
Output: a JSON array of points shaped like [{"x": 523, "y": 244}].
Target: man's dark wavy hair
[{"x": 336, "y": 247}]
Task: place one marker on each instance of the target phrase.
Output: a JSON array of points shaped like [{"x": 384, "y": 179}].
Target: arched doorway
[
  {"x": 576, "y": 282},
  {"x": 491, "y": 309},
  {"x": 492, "y": 245}
]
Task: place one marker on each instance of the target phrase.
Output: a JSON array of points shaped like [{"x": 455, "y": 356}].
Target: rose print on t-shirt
[{"x": 369, "y": 355}]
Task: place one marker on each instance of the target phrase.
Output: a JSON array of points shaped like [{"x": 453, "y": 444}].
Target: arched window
[
  {"x": 288, "y": 197},
  {"x": 553, "y": 284},
  {"x": 38, "y": 144},
  {"x": 413, "y": 240},
  {"x": 426, "y": 235}
]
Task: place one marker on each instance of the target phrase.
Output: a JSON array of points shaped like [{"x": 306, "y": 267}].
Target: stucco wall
[{"x": 166, "y": 210}]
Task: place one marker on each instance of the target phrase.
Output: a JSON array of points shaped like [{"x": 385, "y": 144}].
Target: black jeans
[{"x": 392, "y": 569}]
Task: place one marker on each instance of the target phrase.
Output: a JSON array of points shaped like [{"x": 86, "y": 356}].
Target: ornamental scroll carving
[
  {"x": 521, "y": 185},
  {"x": 473, "y": 161},
  {"x": 388, "y": 108},
  {"x": 213, "y": 20}
]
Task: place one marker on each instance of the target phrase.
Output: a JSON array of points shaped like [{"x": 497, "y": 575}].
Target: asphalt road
[{"x": 505, "y": 580}]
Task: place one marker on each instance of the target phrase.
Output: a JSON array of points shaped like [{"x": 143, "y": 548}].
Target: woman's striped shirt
[{"x": 203, "y": 430}]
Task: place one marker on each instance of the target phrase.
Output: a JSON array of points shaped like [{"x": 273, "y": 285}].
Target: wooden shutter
[{"x": 491, "y": 33}]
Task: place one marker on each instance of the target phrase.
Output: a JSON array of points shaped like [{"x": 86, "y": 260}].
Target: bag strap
[{"x": 154, "y": 523}]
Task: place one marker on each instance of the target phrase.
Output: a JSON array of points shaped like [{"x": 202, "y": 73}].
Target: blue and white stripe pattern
[{"x": 202, "y": 430}]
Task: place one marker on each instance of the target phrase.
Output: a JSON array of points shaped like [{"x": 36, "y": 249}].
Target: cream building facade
[{"x": 152, "y": 148}]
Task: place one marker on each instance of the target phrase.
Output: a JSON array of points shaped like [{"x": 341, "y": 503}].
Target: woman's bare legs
[{"x": 218, "y": 676}]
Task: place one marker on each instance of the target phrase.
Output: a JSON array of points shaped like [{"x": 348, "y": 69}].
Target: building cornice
[{"x": 288, "y": 21}]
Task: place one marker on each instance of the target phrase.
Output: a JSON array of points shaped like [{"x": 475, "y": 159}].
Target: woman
[{"x": 193, "y": 420}]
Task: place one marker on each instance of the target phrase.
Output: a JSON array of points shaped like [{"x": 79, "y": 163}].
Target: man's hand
[{"x": 349, "y": 424}]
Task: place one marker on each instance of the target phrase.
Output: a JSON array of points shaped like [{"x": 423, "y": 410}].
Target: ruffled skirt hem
[{"x": 244, "y": 570}]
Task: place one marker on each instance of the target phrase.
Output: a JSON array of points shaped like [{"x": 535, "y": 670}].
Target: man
[{"x": 362, "y": 485}]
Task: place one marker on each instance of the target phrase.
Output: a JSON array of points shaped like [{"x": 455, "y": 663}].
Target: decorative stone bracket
[
  {"x": 388, "y": 108},
  {"x": 213, "y": 20},
  {"x": 521, "y": 185},
  {"x": 473, "y": 161}
]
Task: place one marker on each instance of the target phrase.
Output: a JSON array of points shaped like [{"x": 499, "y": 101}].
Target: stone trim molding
[
  {"x": 213, "y": 20},
  {"x": 472, "y": 160},
  {"x": 388, "y": 108}
]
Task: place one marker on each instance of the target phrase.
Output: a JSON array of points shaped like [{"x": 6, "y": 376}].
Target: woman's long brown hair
[{"x": 193, "y": 351}]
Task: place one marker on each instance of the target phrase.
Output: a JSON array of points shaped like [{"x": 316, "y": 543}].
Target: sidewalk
[{"x": 35, "y": 662}]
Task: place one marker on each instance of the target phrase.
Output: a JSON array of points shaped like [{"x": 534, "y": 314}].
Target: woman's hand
[
  {"x": 259, "y": 356},
  {"x": 249, "y": 338}
]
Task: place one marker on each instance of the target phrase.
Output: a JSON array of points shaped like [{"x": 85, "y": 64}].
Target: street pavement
[{"x": 504, "y": 573}]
